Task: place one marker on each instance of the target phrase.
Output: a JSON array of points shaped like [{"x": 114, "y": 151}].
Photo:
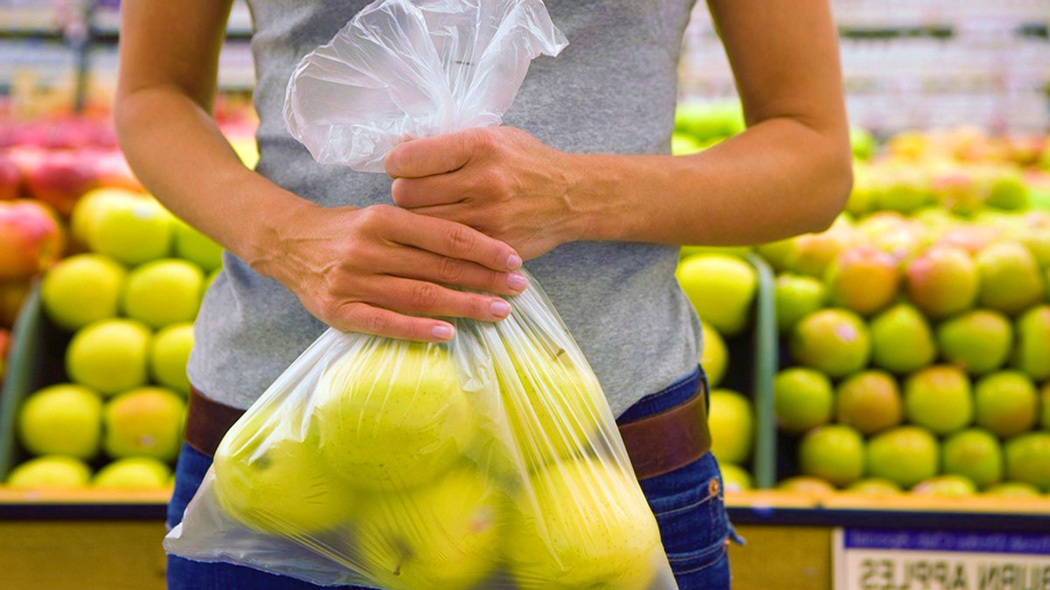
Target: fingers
[
  {"x": 434, "y": 155},
  {"x": 422, "y": 297},
  {"x": 444, "y": 189},
  {"x": 366, "y": 319},
  {"x": 455, "y": 240},
  {"x": 434, "y": 268}
]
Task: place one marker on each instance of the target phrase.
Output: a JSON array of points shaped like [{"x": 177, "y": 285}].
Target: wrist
[{"x": 599, "y": 197}]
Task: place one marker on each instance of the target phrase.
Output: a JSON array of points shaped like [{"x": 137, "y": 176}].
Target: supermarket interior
[{"x": 879, "y": 392}]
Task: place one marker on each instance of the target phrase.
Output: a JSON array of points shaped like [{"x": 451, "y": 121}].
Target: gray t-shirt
[{"x": 613, "y": 90}]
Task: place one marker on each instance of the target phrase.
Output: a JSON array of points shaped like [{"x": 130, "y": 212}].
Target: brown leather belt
[{"x": 656, "y": 444}]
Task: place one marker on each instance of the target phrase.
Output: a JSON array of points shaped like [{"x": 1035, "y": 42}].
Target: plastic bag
[{"x": 490, "y": 462}]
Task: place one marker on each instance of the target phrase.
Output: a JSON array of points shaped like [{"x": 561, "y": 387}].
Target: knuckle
[
  {"x": 450, "y": 269},
  {"x": 460, "y": 240},
  {"x": 375, "y": 323},
  {"x": 481, "y": 139},
  {"x": 425, "y": 296}
]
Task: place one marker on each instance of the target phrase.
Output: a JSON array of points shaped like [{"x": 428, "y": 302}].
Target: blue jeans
[{"x": 687, "y": 503}]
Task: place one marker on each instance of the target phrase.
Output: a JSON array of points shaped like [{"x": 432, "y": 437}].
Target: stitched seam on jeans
[
  {"x": 701, "y": 568},
  {"x": 690, "y": 506},
  {"x": 698, "y": 553}
]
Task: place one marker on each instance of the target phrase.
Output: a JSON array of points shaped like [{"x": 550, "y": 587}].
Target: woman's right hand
[{"x": 381, "y": 270}]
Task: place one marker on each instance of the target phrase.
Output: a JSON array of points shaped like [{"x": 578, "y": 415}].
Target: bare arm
[
  {"x": 788, "y": 173},
  {"x": 355, "y": 269}
]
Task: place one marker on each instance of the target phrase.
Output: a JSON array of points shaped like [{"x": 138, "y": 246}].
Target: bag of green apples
[{"x": 490, "y": 462}]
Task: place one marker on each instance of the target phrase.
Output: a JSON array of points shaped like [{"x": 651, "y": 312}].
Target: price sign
[{"x": 882, "y": 559}]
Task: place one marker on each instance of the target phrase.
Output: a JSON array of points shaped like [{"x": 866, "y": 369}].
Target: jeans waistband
[{"x": 673, "y": 395}]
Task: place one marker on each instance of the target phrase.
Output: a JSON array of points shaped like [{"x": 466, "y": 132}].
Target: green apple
[
  {"x": 196, "y": 247},
  {"x": 109, "y": 356},
  {"x": 834, "y": 453},
  {"x": 904, "y": 455},
  {"x": 979, "y": 341},
  {"x": 83, "y": 222},
  {"x": 946, "y": 486},
  {"x": 1013, "y": 489},
  {"x": 169, "y": 352},
  {"x": 731, "y": 423},
  {"x": 902, "y": 340},
  {"x": 802, "y": 399},
  {"x": 1007, "y": 403},
  {"x": 715, "y": 355},
  {"x": 777, "y": 254},
  {"x": 583, "y": 524},
  {"x": 939, "y": 398},
  {"x": 1028, "y": 459},
  {"x": 163, "y": 292},
  {"x": 683, "y": 145},
  {"x": 50, "y": 472},
  {"x": 1032, "y": 354},
  {"x": 974, "y": 454},
  {"x": 1009, "y": 276},
  {"x": 272, "y": 477},
  {"x": 735, "y": 478},
  {"x": 797, "y": 296},
  {"x": 721, "y": 288},
  {"x": 874, "y": 486},
  {"x": 1044, "y": 397},
  {"x": 133, "y": 231},
  {"x": 442, "y": 536},
  {"x": 82, "y": 289},
  {"x": 393, "y": 416},
  {"x": 862, "y": 143},
  {"x": 144, "y": 422},
  {"x": 809, "y": 486},
  {"x": 1007, "y": 190},
  {"x": 62, "y": 420},
  {"x": 942, "y": 281},
  {"x": 869, "y": 401},
  {"x": 834, "y": 341},
  {"x": 133, "y": 473}
]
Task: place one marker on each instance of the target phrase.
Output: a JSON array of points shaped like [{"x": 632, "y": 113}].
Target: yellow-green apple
[
  {"x": 393, "y": 416},
  {"x": 109, "y": 356},
  {"x": 133, "y": 231},
  {"x": 904, "y": 455},
  {"x": 196, "y": 247},
  {"x": 133, "y": 473},
  {"x": 1007, "y": 403},
  {"x": 83, "y": 223},
  {"x": 1028, "y": 459},
  {"x": 906, "y": 189},
  {"x": 942, "y": 281},
  {"x": 12, "y": 294},
  {"x": 444, "y": 535},
  {"x": 50, "y": 472},
  {"x": 777, "y": 254},
  {"x": 163, "y": 292},
  {"x": 802, "y": 399},
  {"x": 714, "y": 357},
  {"x": 82, "y": 289},
  {"x": 1009, "y": 277},
  {"x": 1006, "y": 188},
  {"x": 583, "y": 524},
  {"x": 891, "y": 232},
  {"x": 939, "y": 398},
  {"x": 731, "y": 422},
  {"x": 735, "y": 478},
  {"x": 682, "y": 145},
  {"x": 721, "y": 289},
  {"x": 834, "y": 453},
  {"x": 169, "y": 351},
  {"x": 863, "y": 279},
  {"x": 31, "y": 239},
  {"x": 834, "y": 341},
  {"x": 144, "y": 422},
  {"x": 1032, "y": 353},
  {"x": 946, "y": 486},
  {"x": 875, "y": 486},
  {"x": 869, "y": 401},
  {"x": 62, "y": 419},
  {"x": 866, "y": 190},
  {"x": 1013, "y": 489},
  {"x": 974, "y": 454},
  {"x": 797, "y": 296},
  {"x": 958, "y": 190},
  {"x": 901, "y": 340},
  {"x": 979, "y": 341},
  {"x": 1044, "y": 402},
  {"x": 1035, "y": 235},
  {"x": 812, "y": 254},
  {"x": 808, "y": 486}
]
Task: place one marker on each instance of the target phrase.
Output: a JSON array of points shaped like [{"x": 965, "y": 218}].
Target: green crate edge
[
  {"x": 23, "y": 363},
  {"x": 766, "y": 353}
]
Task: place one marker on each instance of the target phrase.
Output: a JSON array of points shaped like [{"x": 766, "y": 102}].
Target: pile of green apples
[
  {"x": 398, "y": 469},
  {"x": 129, "y": 302}
]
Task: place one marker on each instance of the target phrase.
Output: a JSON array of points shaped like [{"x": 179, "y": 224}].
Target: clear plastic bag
[{"x": 490, "y": 462}]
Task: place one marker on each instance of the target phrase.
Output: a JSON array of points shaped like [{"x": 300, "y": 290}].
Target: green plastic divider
[
  {"x": 764, "y": 365},
  {"x": 22, "y": 376}
]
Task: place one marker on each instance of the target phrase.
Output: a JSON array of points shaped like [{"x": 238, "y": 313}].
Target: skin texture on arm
[
  {"x": 360, "y": 270},
  {"x": 788, "y": 173}
]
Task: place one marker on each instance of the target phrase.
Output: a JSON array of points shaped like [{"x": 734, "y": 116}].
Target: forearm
[
  {"x": 778, "y": 179},
  {"x": 180, "y": 155}
]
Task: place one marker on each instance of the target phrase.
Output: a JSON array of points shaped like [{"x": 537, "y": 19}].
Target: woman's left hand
[{"x": 501, "y": 181}]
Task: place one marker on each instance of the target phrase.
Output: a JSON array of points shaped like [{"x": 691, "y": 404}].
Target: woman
[{"x": 577, "y": 183}]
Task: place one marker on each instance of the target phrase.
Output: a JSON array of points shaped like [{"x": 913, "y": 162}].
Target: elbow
[{"x": 834, "y": 181}]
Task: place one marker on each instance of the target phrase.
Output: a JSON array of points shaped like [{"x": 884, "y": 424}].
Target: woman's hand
[
  {"x": 373, "y": 270},
  {"x": 500, "y": 181}
]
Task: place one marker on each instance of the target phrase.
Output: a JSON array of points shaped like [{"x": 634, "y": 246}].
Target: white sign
[{"x": 881, "y": 559}]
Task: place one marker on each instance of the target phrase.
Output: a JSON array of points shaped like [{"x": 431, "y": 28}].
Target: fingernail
[
  {"x": 516, "y": 281},
  {"x": 500, "y": 308},
  {"x": 443, "y": 332},
  {"x": 513, "y": 262}
]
